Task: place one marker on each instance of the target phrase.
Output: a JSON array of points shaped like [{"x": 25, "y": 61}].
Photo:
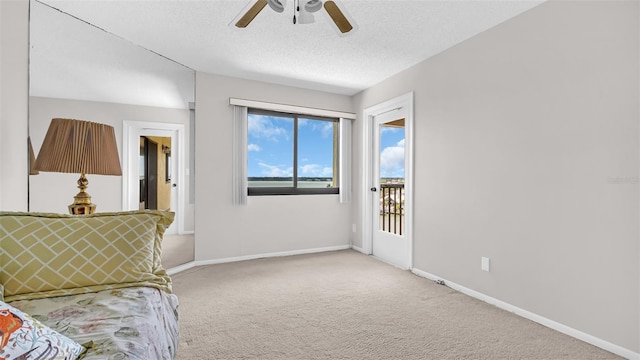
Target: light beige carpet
[
  {"x": 345, "y": 305},
  {"x": 177, "y": 250}
]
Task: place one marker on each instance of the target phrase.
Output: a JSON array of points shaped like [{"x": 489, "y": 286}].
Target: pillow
[
  {"x": 56, "y": 254},
  {"x": 23, "y": 337}
]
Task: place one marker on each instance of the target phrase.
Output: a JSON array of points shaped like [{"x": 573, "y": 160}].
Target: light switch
[{"x": 485, "y": 264}]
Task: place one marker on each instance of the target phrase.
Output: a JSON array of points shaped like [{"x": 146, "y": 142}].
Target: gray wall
[
  {"x": 269, "y": 224},
  {"x": 14, "y": 97},
  {"x": 106, "y": 191},
  {"x": 526, "y": 140},
  {"x": 526, "y": 152}
]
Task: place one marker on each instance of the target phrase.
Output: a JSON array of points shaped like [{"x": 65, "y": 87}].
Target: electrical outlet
[
  {"x": 484, "y": 264},
  {"x": 353, "y": 227}
]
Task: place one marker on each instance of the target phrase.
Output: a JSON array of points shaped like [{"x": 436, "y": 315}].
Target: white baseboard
[
  {"x": 193, "y": 264},
  {"x": 180, "y": 268},
  {"x": 268, "y": 255},
  {"x": 616, "y": 349},
  {"x": 358, "y": 249}
]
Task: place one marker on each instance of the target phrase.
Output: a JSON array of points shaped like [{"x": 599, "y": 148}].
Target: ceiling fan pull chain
[{"x": 294, "y": 10}]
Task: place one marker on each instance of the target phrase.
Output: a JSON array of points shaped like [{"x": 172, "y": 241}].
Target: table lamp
[{"x": 79, "y": 146}]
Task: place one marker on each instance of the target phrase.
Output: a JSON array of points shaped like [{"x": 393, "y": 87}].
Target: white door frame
[
  {"x": 131, "y": 132},
  {"x": 403, "y": 101}
]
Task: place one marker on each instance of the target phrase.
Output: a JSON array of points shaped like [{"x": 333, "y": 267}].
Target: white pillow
[{"x": 24, "y": 337}]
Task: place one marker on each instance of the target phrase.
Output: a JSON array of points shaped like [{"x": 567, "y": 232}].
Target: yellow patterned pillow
[{"x": 54, "y": 254}]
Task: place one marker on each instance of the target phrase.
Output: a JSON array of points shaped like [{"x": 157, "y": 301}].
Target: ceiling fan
[{"x": 302, "y": 13}]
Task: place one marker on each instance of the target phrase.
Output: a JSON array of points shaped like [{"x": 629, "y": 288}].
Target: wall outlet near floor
[
  {"x": 484, "y": 264},
  {"x": 353, "y": 227}
]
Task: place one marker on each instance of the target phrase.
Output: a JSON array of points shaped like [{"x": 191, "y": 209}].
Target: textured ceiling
[{"x": 392, "y": 36}]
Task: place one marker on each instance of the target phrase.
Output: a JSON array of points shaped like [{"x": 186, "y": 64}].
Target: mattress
[{"x": 128, "y": 323}]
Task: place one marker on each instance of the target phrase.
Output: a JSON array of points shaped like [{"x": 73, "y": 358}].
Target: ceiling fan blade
[
  {"x": 338, "y": 17},
  {"x": 251, "y": 14}
]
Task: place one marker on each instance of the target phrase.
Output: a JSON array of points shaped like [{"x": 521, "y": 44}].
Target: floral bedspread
[{"x": 128, "y": 323}]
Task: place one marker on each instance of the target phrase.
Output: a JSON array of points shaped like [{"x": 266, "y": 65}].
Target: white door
[
  {"x": 131, "y": 169},
  {"x": 389, "y": 240}
]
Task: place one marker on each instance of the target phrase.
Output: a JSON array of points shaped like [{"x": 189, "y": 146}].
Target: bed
[{"x": 85, "y": 287}]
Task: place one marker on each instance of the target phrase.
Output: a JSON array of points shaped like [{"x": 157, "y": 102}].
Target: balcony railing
[{"x": 392, "y": 208}]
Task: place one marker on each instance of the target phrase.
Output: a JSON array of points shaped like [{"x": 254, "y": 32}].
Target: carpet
[
  {"x": 177, "y": 250},
  {"x": 346, "y": 305}
]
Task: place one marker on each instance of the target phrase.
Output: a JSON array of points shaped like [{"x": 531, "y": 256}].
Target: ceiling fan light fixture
[
  {"x": 313, "y": 5},
  {"x": 277, "y": 5},
  {"x": 305, "y": 17},
  {"x": 303, "y": 13}
]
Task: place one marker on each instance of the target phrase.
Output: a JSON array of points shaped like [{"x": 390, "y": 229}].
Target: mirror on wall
[{"x": 78, "y": 70}]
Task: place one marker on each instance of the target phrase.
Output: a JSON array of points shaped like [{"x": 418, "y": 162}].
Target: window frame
[{"x": 295, "y": 190}]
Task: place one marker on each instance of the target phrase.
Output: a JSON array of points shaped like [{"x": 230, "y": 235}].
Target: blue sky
[
  {"x": 270, "y": 145},
  {"x": 392, "y": 152}
]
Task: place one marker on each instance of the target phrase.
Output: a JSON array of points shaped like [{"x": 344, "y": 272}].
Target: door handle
[{"x": 374, "y": 189}]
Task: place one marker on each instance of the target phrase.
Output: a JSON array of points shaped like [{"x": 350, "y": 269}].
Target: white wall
[
  {"x": 14, "y": 94},
  {"x": 268, "y": 224},
  {"x": 106, "y": 191},
  {"x": 526, "y": 152}
]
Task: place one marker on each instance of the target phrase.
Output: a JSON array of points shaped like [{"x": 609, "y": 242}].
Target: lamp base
[
  {"x": 82, "y": 209},
  {"x": 82, "y": 201}
]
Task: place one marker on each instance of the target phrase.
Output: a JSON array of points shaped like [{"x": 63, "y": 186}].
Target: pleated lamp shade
[
  {"x": 32, "y": 159},
  {"x": 78, "y": 146}
]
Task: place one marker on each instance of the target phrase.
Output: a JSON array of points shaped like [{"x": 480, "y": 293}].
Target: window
[{"x": 290, "y": 154}]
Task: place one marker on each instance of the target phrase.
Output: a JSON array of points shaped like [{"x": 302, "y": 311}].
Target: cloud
[
  {"x": 324, "y": 127},
  {"x": 315, "y": 170},
  {"x": 254, "y": 147},
  {"x": 327, "y": 129},
  {"x": 392, "y": 160},
  {"x": 264, "y": 127},
  {"x": 275, "y": 171}
]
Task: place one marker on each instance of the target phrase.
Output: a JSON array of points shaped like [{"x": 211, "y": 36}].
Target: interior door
[
  {"x": 151, "y": 174},
  {"x": 389, "y": 240},
  {"x": 143, "y": 182}
]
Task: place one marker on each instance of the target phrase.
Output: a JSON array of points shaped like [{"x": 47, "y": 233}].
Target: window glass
[
  {"x": 291, "y": 154},
  {"x": 270, "y": 151},
  {"x": 316, "y": 156}
]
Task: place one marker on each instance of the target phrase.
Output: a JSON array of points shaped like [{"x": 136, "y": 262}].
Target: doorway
[
  {"x": 152, "y": 170},
  {"x": 156, "y": 182},
  {"x": 389, "y": 168}
]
